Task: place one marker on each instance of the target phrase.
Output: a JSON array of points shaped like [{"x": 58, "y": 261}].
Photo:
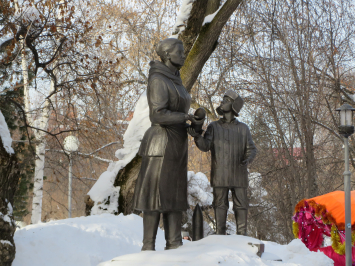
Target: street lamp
[
  {"x": 71, "y": 144},
  {"x": 346, "y": 129}
]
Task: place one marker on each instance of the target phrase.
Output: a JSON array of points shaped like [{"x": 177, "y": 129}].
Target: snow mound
[
  {"x": 104, "y": 193},
  {"x": 296, "y": 253},
  {"x": 199, "y": 189},
  {"x": 93, "y": 240},
  {"x": 5, "y": 135},
  {"x": 226, "y": 250},
  {"x": 82, "y": 241}
]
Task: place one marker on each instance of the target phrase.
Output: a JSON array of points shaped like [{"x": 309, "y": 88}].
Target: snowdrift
[{"x": 109, "y": 240}]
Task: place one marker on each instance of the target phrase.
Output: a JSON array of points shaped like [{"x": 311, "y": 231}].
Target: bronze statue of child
[{"x": 232, "y": 149}]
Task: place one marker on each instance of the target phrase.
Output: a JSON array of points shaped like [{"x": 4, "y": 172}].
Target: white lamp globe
[{"x": 71, "y": 144}]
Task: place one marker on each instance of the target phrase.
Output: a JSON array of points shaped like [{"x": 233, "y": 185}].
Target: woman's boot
[
  {"x": 172, "y": 228},
  {"x": 150, "y": 228}
]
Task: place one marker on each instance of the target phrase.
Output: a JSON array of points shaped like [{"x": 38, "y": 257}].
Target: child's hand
[{"x": 192, "y": 132}]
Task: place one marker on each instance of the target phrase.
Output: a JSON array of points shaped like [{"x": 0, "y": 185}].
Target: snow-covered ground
[
  {"x": 111, "y": 240},
  {"x": 83, "y": 241}
]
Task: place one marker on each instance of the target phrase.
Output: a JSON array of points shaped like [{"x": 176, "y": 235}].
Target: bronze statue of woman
[{"x": 162, "y": 182}]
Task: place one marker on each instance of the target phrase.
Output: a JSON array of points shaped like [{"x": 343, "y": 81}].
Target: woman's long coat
[{"x": 162, "y": 181}]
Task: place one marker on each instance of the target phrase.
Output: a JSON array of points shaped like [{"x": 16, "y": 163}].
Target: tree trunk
[
  {"x": 41, "y": 123},
  {"x": 126, "y": 179},
  {"x": 38, "y": 185},
  {"x": 9, "y": 177},
  {"x": 206, "y": 43}
]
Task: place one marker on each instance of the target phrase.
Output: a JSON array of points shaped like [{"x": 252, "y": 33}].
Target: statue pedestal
[{"x": 211, "y": 250}]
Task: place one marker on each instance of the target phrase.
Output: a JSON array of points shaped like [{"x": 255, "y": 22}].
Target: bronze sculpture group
[{"x": 162, "y": 182}]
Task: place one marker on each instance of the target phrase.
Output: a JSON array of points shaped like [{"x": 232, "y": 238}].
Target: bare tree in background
[
  {"x": 293, "y": 63},
  {"x": 60, "y": 49}
]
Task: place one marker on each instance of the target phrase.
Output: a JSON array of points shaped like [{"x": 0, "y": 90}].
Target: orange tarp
[{"x": 335, "y": 204}]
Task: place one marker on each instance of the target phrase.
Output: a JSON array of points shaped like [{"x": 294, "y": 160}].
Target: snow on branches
[{"x": 182, "y": 17}]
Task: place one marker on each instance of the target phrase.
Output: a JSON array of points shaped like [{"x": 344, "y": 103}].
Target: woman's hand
[
  {"x": 194, "y": 119},
  {"x": 189, "y": 117}
]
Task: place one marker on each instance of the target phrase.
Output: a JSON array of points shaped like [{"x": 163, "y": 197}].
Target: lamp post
[
  {"x": 71, "y": 144},
  {"x": 346, "y": 129}
]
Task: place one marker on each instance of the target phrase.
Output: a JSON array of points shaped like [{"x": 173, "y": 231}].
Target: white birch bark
[
  {"x": 25, "y": 80},
  {"x": 38, "y": 184},
  {"x": 40, "y": 123},
  {"x": 40, "y": 148}
]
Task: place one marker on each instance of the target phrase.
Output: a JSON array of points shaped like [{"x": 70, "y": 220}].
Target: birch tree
[
  {"x": 30, "y": 15},
  {"x": 54, "y": 41}
]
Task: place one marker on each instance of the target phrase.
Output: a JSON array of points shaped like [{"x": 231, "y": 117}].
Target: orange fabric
[{"x": 335, "y": 204}]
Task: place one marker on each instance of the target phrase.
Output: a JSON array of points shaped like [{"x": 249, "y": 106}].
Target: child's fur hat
[{"x": 237, "y": 104}]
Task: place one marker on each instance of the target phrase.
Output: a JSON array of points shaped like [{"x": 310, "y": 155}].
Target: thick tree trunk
[
  {"x": 194, "y": 23},
  {"x": 206, "y": 43},
  {"x": 9, "y": 177},
  {"x": 126, "y": 179}
]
